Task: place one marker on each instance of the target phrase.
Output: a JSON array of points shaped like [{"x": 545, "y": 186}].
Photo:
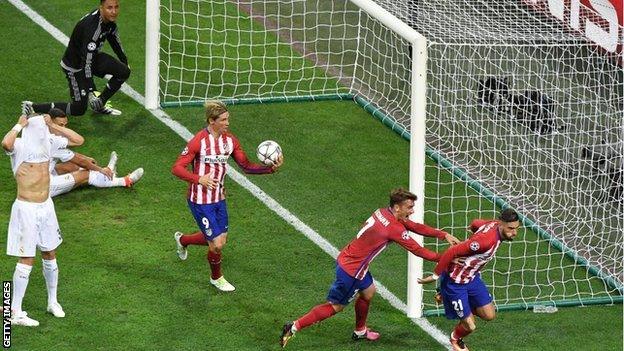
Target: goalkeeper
[{"x": 83, "y": 60}]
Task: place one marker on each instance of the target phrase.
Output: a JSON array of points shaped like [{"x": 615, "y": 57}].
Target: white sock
[
  {"x": 50, "y": 273},
  {"x": 20, "y": 282},
  {"x": 99, "y": 180},
  {"x": 112, "y": 162}
]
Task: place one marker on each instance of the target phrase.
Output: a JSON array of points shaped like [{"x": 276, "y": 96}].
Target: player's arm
[
  {"x": 89, "y": 163},
  {"x": 426, "y": 230},
  {"x": 478, "y": 223},
  {"x": 73, "y": 138},
  {"x": 247, "y": 166},
  {"x": 461, "y": 250},
  {"x": 87, "y": 49},
  {"x": 408, "y": 241},
  {"x": 180, "y": 167},
  {"x": 115, "y": 43},
  {"x": 8, "y": 142}
]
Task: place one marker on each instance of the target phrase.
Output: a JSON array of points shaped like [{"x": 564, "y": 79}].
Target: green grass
[{"x": 121, "y": 284}]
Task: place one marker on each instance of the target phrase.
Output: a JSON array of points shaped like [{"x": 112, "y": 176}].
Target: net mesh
[{"x": 516, "y": 101}]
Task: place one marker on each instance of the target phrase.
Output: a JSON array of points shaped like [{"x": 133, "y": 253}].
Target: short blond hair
[{"x": 214, "y": 109}]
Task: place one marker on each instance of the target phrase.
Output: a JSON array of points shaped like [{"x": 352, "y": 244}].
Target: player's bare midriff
[{"x": 33, "y": 182}]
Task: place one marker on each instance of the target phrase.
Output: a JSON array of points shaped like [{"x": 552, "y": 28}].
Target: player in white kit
[
  {"x": 71, "y": 170},
  {"x": 33, "y": 224}
]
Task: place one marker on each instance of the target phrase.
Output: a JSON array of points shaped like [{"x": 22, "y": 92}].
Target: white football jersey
[{"x": 59, "y": 151}]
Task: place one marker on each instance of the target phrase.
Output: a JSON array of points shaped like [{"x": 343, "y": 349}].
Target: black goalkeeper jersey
[{"x": 87, "y": 40}]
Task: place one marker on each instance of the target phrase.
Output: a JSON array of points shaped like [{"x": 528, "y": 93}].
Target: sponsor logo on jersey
[
  {"x": 185, "y": 151},
  {"x": 216, "y": 159},
  {"x": 91, "y": 46},
  {"x": 474, "y": 246}
]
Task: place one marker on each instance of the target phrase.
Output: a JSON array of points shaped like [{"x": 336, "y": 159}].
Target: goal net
[
  {"x": 530, "y": 115},
  {"x": 520, "y": 111}
]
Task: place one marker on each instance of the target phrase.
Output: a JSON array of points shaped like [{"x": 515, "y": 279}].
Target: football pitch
[{"x": 121, "y": 283}]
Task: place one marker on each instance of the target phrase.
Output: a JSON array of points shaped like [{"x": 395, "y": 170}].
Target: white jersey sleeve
[
  {"x": 16, "y": 156},
  {"x": 59, "y": 151}
]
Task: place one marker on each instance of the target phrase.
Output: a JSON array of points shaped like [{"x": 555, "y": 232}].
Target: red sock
[
  {"x": 316, "y": 314},
  {"x": 361, "y": 312},
  {"x": 460, "y": 332},
  {"x": 197, "y": 238},
  {"x": 214, "y": 259}
]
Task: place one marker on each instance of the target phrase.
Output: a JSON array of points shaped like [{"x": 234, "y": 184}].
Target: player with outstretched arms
[
  {"x": 83, "y": 60},
  {"x": 459, "y": 270},
  {"x": 208, "y": 152},
  {"x": 353, "y": 280}
]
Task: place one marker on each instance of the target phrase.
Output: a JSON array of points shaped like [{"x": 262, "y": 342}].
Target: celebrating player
[
  {"x": 75, "y": 169},
  {"x": 462, "y": 289},
  {"x": 209, "y": 152},
  {"x": 83, "y": 60},
  {"x": 33, "y": 224},
  {"x": 385, "y": 225}
]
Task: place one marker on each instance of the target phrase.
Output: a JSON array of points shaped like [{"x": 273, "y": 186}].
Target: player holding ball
[{"x": 208, "y": 152}]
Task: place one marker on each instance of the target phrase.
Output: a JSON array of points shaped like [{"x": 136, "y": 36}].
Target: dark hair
[
  {"x": 509, "y": 215},
  {"x": 399, "y": 195},
  {"x": 56, "y": 112}
]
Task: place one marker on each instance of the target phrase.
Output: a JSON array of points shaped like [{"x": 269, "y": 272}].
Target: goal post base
[
  {"x": 529, "y": 305},
  {"x": 278, "y": 99}
]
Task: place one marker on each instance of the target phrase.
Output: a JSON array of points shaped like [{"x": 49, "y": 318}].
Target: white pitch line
[{"x": 243, "y": 181}]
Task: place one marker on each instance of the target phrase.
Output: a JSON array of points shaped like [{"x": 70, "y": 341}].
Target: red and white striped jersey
[
  {"x": 478, "y": 250},
  {"x": 209, "y": 155},
  {"x": 380, "y": 229}
]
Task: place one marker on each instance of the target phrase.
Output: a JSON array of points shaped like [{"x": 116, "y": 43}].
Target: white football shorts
[
  {"x": 61, "y": 184},
  {"x": 32, "y": 226}
]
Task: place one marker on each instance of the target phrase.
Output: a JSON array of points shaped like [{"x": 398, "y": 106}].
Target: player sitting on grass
[
  {"x": 463, "y": 291},
  {"x": 384, "y": 226},
  {"x": 75, "y": 169}
]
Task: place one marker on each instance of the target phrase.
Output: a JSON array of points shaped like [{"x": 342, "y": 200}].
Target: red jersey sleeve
[
  {"x": 478, "y": 223},
  {"x": 243, "y": 162},
  {"x": 180, "y": 167},
  {"x": 407, "y": 240},
  {"x": 474, "y": 245},
  {"x": 423, "y": 229}
]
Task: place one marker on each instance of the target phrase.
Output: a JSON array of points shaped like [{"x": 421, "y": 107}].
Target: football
[{"x": 268, "y": 152}]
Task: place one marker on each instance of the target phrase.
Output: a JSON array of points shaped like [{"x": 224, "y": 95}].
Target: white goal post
[
  {"x": 511, "y": 108},
  {"x": 416, "y": 108}
]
